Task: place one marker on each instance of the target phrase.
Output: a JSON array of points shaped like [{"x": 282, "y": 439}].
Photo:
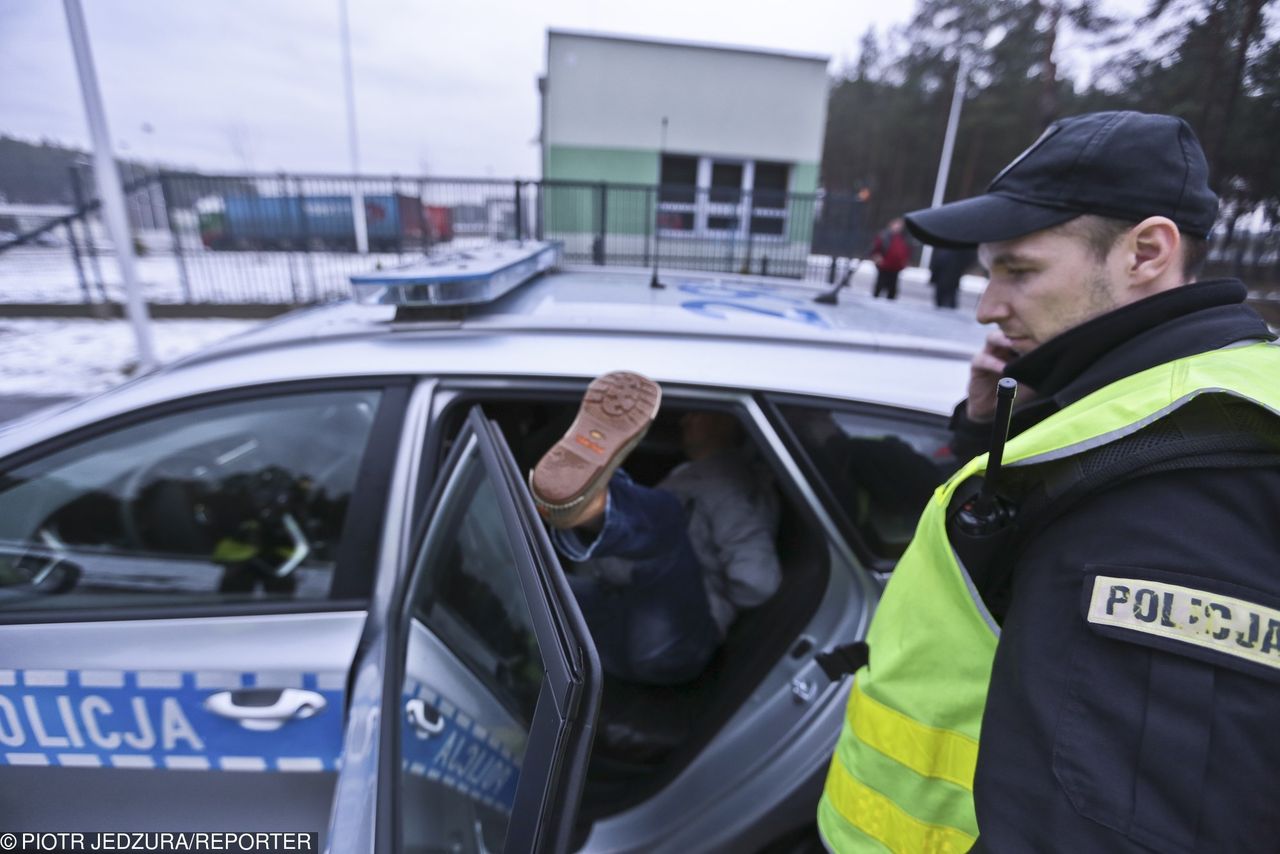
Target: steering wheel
[
  {"x": 168, "y": 506},
  {"x": 184, "y": 503},
  {"x": 44, "y": 572}
]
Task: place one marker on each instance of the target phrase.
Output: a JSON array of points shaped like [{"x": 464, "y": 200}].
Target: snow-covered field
[{"x": 69, "y": 358}]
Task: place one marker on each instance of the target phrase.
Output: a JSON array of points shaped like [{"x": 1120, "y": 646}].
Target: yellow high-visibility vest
[{"x": 902, "y": 775}]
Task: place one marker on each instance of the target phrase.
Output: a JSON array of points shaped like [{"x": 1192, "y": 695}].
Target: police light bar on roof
[{"x": 470, "y": 277}]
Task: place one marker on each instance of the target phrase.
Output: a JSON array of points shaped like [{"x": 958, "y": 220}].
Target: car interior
[
  {"x": 647, "y": 734},
  {"x": 213, "y": 505}
]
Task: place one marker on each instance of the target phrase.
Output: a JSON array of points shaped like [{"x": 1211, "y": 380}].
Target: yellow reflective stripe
[
  {"x": 929, "y": 751},
  {"x": 840, "y": 837},
  {"x": 884, "y": 821}
]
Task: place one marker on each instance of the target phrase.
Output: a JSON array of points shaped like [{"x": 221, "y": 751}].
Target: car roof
[
  {"x": 707, "y": 329},
  {"x": 691, "y": 304}
]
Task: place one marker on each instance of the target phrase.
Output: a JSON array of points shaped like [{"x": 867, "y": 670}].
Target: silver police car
[{"x": 295, "y": 582}]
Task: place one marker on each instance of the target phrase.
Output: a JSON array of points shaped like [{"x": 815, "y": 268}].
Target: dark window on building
[
  {"x": 679, "y": 179},
  {"x": 771, "y": 225},
  {"x": 726, "y": 183},
  {"x": 770, "y": 186}
]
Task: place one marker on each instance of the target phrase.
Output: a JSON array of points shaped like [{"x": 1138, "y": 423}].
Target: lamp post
[
  {"x": 353, "y": 144},
  {"x": 657, "y": 209},
  {"x": 948, "y": 143},
  {"x": 108, "y": 181},
  {"x": 964, "y": 62}
]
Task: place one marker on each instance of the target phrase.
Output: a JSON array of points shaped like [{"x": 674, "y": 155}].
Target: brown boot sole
[{"x": 615, "y": 414}]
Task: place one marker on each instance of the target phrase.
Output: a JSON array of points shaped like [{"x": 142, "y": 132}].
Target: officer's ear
[{"x": 1151, "y": 255}]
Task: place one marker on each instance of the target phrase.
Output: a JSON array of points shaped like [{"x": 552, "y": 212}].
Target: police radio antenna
[
  {"x": 1006, "y": 391},
  {"x": 986, "y": 514},
  {"x": 657, "y": 218}
]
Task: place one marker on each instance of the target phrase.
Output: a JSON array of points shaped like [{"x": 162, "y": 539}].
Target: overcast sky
[
  {"x": 446, "y": 87},
  {"x": 442, "y": 88}
]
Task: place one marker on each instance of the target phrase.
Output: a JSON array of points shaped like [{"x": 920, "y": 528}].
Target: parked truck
[{"x": 394, "y": 222}]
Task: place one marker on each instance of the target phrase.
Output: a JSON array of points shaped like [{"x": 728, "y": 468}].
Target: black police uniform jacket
[{"x": 1090, "y": 743}]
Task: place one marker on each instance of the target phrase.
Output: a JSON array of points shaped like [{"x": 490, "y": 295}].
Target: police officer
[{"x": 1107, "y": 678}]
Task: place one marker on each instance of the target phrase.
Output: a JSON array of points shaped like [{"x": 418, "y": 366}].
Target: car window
[
  {"x": 473, "y": 601},
  {"x": 878, "y": 470},
  {"x": 222, "y": 503},
  {"x": 473, "y": 673}
]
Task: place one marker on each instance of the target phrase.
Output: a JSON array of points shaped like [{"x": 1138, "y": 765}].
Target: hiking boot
[{"x": 570, "y": 482}]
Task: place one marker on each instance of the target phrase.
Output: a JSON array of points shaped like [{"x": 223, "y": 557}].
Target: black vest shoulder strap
[{"x": 1214, "y": 431}]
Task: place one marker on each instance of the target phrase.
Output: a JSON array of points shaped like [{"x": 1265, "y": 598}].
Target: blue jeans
[{"x": 658, "y": 627}]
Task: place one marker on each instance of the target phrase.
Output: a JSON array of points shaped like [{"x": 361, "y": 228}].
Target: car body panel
[
  {"x": 887, "y": 378},
  {"x": 123, "y": 705},
  {"x": 701, "y": 329},
  {"x": 717, "y": 339}
]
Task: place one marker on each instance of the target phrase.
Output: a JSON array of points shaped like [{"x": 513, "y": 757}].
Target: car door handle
[
  {"x": 265, "y": 709},
  {"x": 424, "y": 717}
]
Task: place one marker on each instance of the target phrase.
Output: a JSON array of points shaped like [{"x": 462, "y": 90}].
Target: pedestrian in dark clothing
[
  {"x": 1090, "y": 661},
  {"x": 891, "y": 253},
  {"x": 946, "y": 268}
]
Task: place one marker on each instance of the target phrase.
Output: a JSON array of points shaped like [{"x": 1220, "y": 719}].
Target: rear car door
[
  {"x": 182, "y": 591},
  {"x": 486, "y": 682},
  {"x": 873, "y": 467}
]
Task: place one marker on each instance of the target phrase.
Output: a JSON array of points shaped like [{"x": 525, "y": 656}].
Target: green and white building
[{"x": 732, "y": 136}]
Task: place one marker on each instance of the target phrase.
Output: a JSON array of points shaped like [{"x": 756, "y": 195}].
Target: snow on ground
[
  {"x": 70, "y": 358},
  {"x": 40, "y": 275}
]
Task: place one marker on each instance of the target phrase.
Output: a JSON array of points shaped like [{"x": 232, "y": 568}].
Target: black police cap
[{"x": 1124, "y": 165}]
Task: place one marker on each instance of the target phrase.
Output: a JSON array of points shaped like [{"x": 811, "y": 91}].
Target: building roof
[{"x": 650, "y": 40}]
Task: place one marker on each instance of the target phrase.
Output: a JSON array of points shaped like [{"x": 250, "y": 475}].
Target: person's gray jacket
[{"x": 731, "y": 508}]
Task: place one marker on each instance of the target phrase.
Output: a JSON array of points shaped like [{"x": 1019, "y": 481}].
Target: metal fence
[
  {"x": 287, "y": 238},
  {"x": 290, "y": 239},
  {"x": 1253, "y": 256}
]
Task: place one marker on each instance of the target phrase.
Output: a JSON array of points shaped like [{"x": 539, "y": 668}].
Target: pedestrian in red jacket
[{"x": 890, "y": 252}]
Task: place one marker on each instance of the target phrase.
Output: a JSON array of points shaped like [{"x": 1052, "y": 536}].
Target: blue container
[{"x": 291, "y": 221}]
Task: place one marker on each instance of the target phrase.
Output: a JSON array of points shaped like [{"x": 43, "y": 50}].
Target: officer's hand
[{"x": 985, "y": 371}]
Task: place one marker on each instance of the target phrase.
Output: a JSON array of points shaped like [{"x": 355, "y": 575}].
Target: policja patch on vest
[{"x": 1205, "y": 620}]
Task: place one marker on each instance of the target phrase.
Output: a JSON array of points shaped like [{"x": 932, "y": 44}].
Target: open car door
[{"x": 474, "y": 705}]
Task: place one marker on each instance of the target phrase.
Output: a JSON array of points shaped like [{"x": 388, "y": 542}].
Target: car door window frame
[
  {"x": 460, "y": 394},
  {"x": 535, "y": 821},
  {"x": 751, "y": 408},
  {"x": 771, "y": 403},
  {"x": 356, "y": 559}
]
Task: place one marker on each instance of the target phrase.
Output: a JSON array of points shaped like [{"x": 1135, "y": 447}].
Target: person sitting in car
[{"x": 665, "y": 570}]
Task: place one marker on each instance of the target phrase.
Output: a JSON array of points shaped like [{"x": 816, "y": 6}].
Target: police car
[{"x": 295, "y": 581}]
